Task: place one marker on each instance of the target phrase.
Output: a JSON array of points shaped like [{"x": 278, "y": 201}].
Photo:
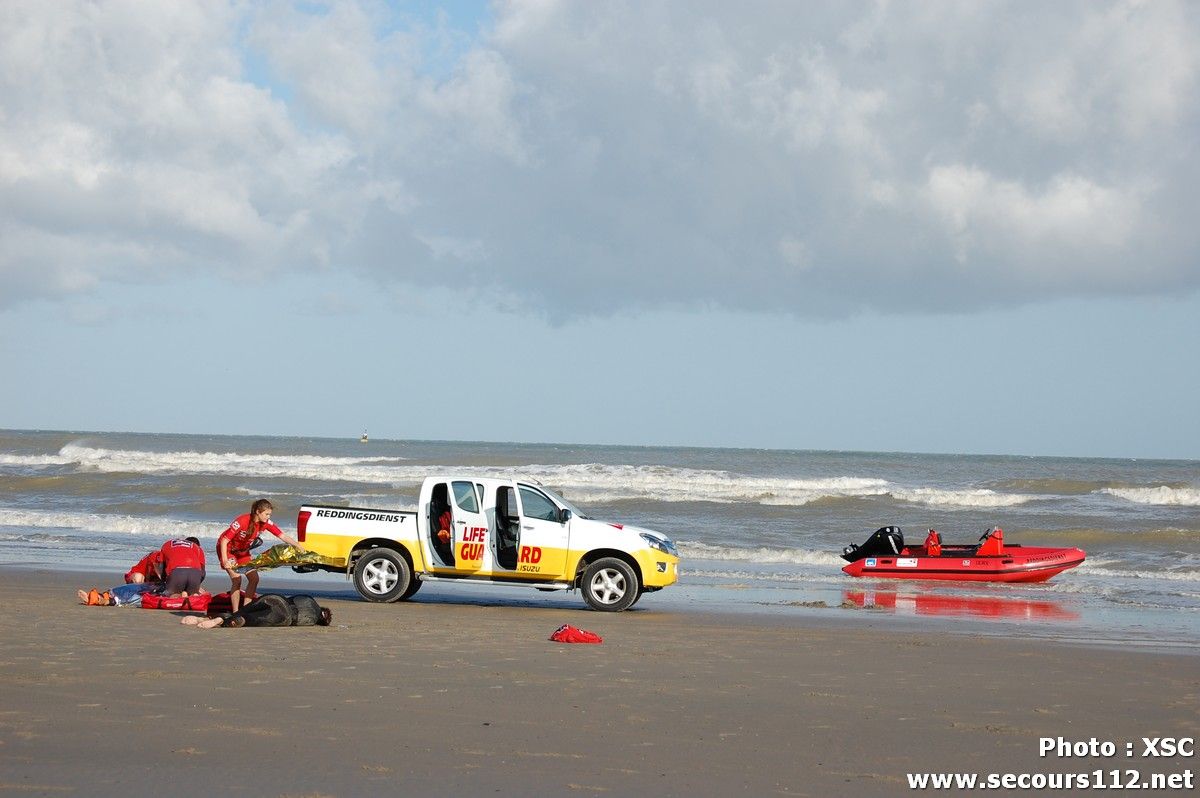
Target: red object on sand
[
  {"x": 201, "y": 602},
  {"x": 196, "y": 603},
  {"x": 570, "y": 634}
]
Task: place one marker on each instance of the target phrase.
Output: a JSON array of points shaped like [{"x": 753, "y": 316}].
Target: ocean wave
[
  {"x": 1052, "y": 486},
  {"x": 1125, "y": 573},
  {"x": 599, "y": 483},
  {"x": 761, "y": 554},
  {"x": 161, "y": 528},
  {"x": 369, "y": 469},
  {"x": 971, "y": 497},
  {"x": 767, "y": 577},
  {"x": 585, "y": 482},
  {"x": 1163, "y": 495},
  {"x": 35, "y": 460},
  {"x": 1087, "y": 536}
]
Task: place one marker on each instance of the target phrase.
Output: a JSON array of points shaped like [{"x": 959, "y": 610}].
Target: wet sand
[{"x": 442, "y": 696}]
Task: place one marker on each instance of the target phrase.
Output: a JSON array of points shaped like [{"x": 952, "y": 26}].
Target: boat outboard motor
[{"x": 887, "y": 541}]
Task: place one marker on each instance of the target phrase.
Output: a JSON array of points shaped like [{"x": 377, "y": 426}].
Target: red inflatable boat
[{"x": 884, "y": 555}]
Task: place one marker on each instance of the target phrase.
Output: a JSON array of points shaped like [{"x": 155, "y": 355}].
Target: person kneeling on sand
[
  {"x": 147, "y": 569},
  {"x": 183, "y": 566},
  {"x": 269, "y": 609},
  {"x": 146, "y": 575}
]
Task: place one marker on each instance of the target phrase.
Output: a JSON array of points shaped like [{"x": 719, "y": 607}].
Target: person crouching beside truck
[{"x": 234, "y": 544}]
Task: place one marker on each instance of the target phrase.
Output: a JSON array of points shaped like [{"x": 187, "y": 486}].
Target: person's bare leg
[
  {"x": 235, "y": 597},
  {"x": 252, "y": 584}
]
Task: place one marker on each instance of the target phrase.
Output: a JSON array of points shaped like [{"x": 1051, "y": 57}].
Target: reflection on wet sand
[{"x": 937, "y": 604}]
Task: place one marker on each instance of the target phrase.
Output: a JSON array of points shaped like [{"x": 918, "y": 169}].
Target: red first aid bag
[
  {"x": 570, "y": 634},
  {"x": 197, "y": 603}
]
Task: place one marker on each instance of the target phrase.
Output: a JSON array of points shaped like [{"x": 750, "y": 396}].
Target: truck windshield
[{"x": 575, "y": 511}]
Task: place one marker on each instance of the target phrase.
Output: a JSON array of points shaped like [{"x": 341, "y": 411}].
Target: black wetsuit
[{"x": 271, "y": 609}]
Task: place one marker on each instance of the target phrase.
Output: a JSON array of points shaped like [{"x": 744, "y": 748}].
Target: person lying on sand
[
  {"x": 269, "y": 609},
  {"x": 127, "y": 595}
]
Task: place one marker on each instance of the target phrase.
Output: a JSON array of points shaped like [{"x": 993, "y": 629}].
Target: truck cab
[{"x": 494, "y": 530}]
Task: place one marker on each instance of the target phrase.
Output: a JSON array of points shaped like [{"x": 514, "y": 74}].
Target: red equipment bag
[
  {"x": 570, "y": 634},
  {"x": 197, "y": 603}
]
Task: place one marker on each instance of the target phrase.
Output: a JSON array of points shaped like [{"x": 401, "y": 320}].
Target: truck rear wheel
[
  {"x": 382, "y": 575},
  {"x": 610, "y": 585}
]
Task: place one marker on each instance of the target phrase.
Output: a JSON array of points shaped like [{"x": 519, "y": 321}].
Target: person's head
[
  {"x": 260, "y": 512},
  {"x": 193, "y": 540}
]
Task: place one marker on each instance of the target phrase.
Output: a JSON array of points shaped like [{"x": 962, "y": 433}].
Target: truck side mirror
[{"x": 564, "y": 515}]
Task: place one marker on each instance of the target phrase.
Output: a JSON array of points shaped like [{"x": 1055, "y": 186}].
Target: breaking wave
[
  {"x": 597, "y": 483},
  {"x": 160, "y": 528},
  {"x": 1052, "y": 486},
  {"x": 368, "y": 469},
  {"x": 1100, "y": 569},
  {"x": 35, "y": 460},
  {"x": 973, "y": 497},
  {"x": 705, "y": 551},
  {"x": 588, "y": 482},
  {"x": 1163, "y": 494}
]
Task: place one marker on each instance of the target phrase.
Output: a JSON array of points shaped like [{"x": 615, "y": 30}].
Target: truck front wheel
[
  {"x": 610, "y": 585},
  {"x": 382, "y": 575}
]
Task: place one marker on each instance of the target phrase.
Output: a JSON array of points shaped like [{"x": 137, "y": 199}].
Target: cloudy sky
[{"x": 960, "y": 227}]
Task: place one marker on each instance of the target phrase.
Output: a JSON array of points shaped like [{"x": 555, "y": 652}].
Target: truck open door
[
  {"x": 545, "y": 532},
  {"x": 470, "y": 526}
]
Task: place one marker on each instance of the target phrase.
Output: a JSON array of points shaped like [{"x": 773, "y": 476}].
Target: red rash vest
[
  {"x": 181, "y": 554},
  {"x": 241, "y": 537}
]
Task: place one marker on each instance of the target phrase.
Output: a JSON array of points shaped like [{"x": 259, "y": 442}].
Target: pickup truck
[{"x": 495, "y": 531}]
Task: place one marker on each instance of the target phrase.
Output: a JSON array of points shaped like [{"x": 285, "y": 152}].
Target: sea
[{"x": 758, "y": 530}]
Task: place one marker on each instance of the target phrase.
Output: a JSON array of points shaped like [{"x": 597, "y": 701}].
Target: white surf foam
[
  {"x": 587, "y": 482},
  {"x": 767, "y": 577},
  {"x": 971, "y": 497},
  {"x": 1184, "y": 497},
  {"x": 161, "y": 528},
  {"x": 599, "y": 483},
  {"x": 1158, "y": 574},
  {"x": 370, "y": 469},
  {"x": 34, "y": 460},
  {"x": 704, "y": 551}
]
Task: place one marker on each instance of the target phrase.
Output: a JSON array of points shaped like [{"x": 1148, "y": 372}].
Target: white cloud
[
  {"x": 586, "y": 158},
  {"x": 1069, "y": 224}
]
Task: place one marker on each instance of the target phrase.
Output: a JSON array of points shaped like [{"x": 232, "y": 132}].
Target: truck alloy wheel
[
  {"x": 382, "y": 575},
  {"x": 610, "y": 585}
]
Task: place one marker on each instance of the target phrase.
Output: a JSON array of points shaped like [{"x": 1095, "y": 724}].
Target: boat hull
[{"x": 1015, "y": 564}]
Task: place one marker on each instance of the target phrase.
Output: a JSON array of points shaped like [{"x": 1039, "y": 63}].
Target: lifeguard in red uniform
[
  {"x": 234, "y": 544},
  {"x": 147, "y": 569}
]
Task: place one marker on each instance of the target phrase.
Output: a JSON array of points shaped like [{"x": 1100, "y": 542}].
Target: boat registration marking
[{"x": 906, "y": 562}]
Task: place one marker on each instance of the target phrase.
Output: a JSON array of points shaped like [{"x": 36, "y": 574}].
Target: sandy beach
[{"x": 444, "y": 697}]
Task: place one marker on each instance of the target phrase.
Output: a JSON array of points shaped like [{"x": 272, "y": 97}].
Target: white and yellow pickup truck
[{"x": 496, "y": 531}]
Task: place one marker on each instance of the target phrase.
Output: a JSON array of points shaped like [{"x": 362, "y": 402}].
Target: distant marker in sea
[{"x": 363, "y": 439}]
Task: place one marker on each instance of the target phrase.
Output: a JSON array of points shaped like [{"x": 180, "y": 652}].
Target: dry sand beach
[{"x": 445, "y": 697}]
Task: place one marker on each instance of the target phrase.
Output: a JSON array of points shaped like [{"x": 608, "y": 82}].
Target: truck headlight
[{"x": 661, "y": 544}]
